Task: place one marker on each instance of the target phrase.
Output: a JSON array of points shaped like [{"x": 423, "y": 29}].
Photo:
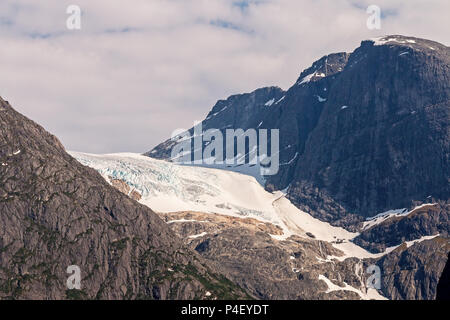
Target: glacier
[{"x": 170, "y": 187}]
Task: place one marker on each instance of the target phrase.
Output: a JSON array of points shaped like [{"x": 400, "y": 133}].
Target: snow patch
[
  {"x": 281, "y": 99},
  {"x": 285, "y": 190},
  {"x": 290, "y": 161},
  {"x": 421, "y": 239},
  {"x": 270, "y": 102},
  {"x": 198, "y": 235},
  {"x": 369, "y": 295},
  {"x": 377, "y": 219},
  {"x": 379, "y": 41},
  {"x": 216, "y": 113},
  {"x": 320, "y": 98},
  {"x": 308, "y": 78},
  {"x": 185, "y": 220}
]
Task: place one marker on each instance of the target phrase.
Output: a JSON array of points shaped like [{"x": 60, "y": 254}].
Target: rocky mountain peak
[
  {"x": 403, "y": 41},
  {"x": 257, "y": 97},
  {"x": 324, "y": 67},
  {"x": 352, "y": 122}
]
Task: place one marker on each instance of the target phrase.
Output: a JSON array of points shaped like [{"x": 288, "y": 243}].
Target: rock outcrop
[
  {"x": 424, "y": 221},
  {"x": 247, "y": 252},
  {"x": 360, "y": 133}
]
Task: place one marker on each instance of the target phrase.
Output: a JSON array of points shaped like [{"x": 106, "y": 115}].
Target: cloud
[{"x": 138, "y": 70}]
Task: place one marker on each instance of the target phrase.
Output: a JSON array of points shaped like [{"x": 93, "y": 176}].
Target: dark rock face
[
  {"x": 54, "y": 213},
  {"x": 263, "y": 266},
  {"x": 270, "y": 269},
  {"x": 443, "y": 288},
  {"x": 413, "y": 273},
  {"x": 299, "y": 112}
]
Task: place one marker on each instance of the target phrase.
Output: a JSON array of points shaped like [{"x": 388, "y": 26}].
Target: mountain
[
  {"x": 265, "y": 244},
  {"x": 361, "y": 133},
  {"x": 364, "y": 144},
  {"x": 55, "y": 213},
  {"x": 362, "y": 185}
]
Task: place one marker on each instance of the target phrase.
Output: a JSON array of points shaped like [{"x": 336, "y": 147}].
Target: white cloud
[{"x": 139, "y": 69}]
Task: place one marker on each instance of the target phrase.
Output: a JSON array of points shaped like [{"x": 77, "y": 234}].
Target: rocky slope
[
  {"x": 55, "y": 212},
  {"x": 274, "y": 250},
  {"x": 382, "y": 139}
]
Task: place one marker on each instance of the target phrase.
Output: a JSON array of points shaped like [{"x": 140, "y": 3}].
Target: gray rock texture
[
  {"x": 413, "y": 273},
  {"x": 55, "y": 212}
]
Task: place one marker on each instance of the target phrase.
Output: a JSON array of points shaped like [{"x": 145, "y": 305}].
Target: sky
[{"x": 138, "y": 70}]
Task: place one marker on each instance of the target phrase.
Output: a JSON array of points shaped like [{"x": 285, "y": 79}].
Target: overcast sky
[{"x": 137, "y": 70}]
